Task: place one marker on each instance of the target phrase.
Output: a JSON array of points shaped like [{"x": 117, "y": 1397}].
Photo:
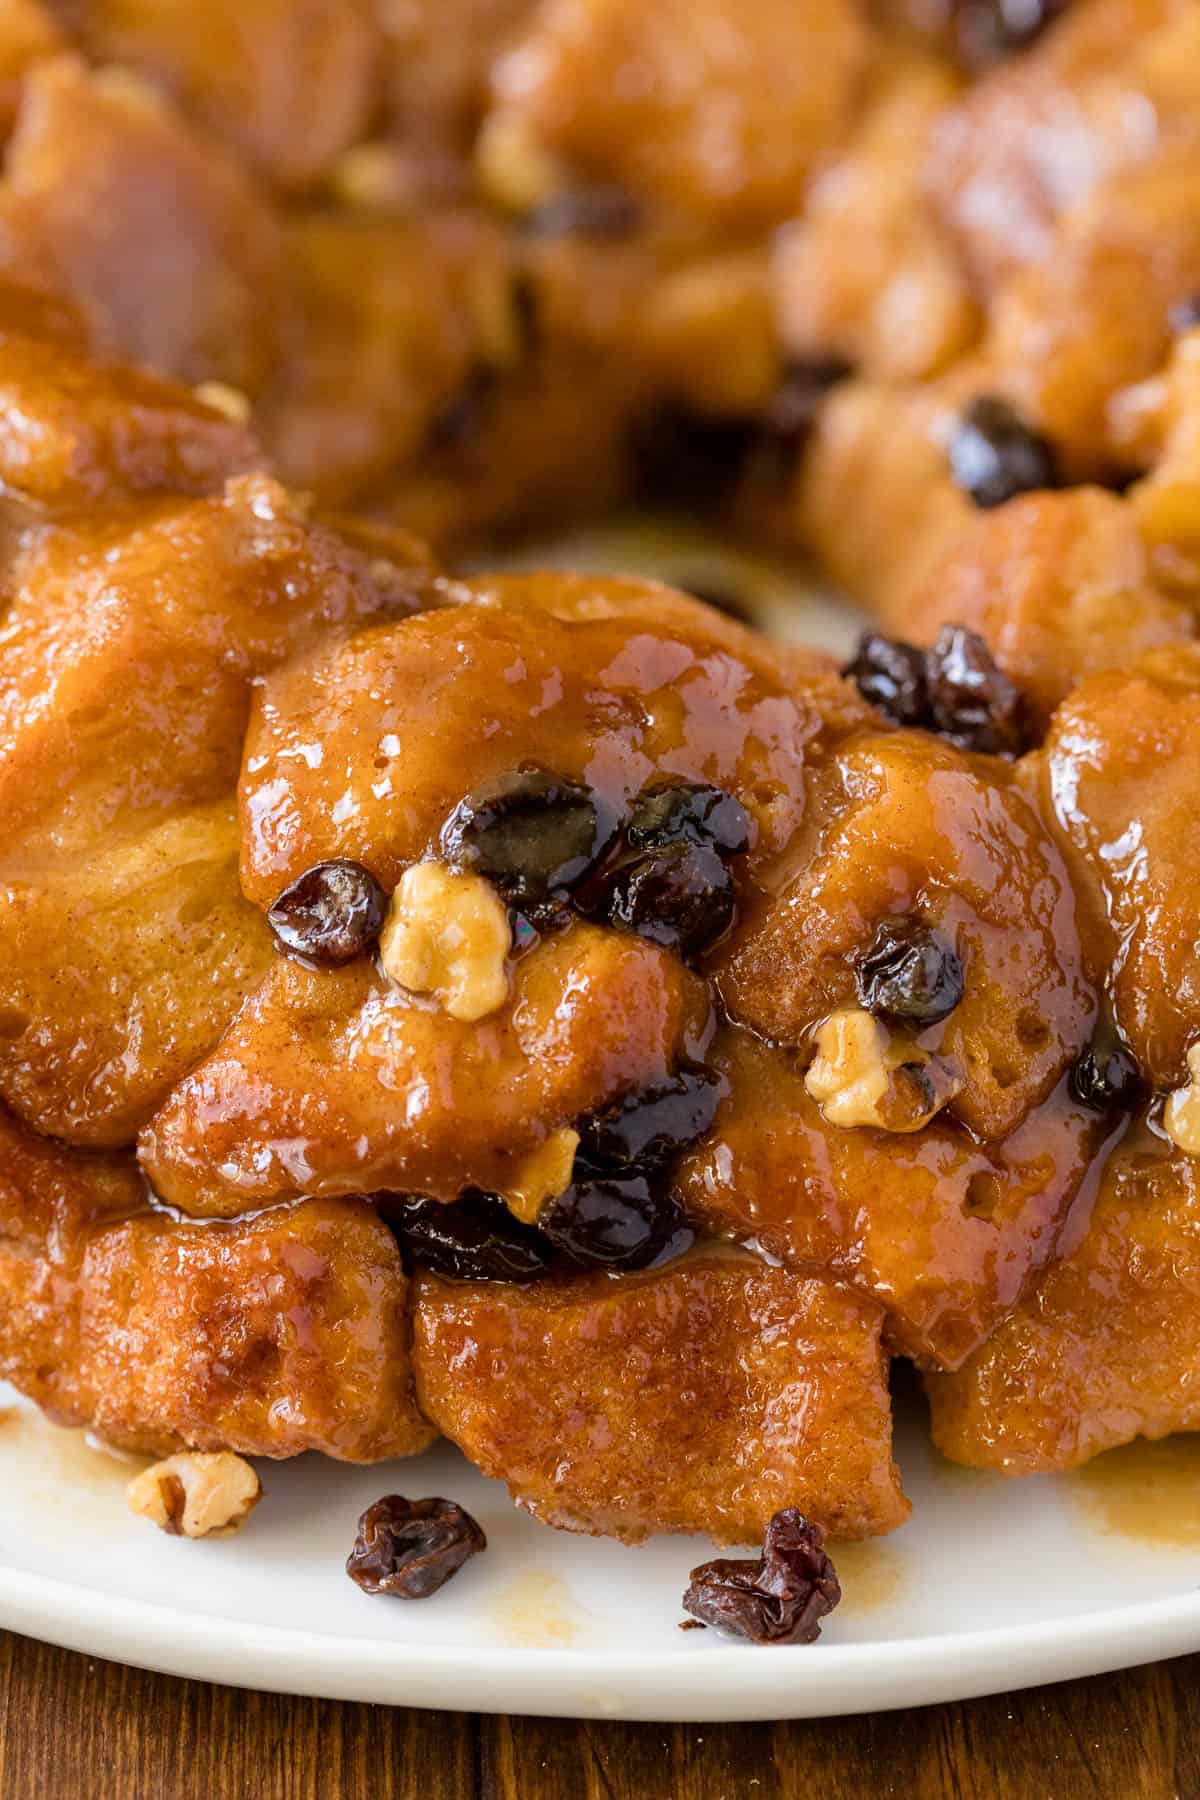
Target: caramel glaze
[{"x": 943, "y": 1230}]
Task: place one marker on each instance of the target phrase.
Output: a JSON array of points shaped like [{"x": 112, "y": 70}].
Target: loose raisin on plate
[
  {"x": 909, "y": 973},
  {"x": 971, "y": 700},
  {"x": 651, "y": 1126},
  {"x": 611, "y": 1221},
  {"x": 330, "y": 914},
  {"x": 680, "y": 896},
  {"x": 531, "y": 833},
  {"x": 687, "y": 811},
  {"x": 475, "y": 1238},
  {"x": 995, "y": 455},
  {"x": 1106, "y": 1079},
  {"x": 778, "y": 1598},
  {"x": 891, "y": 675},
  {"x": 411, "y": 1548}
]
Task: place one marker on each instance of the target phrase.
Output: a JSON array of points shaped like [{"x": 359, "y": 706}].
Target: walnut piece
[
  {"x": 864, "y": 1074},
  {"x": 543, "y": 1175},
  {"x": 196, "y": 1494},
  {"x": 1181, "y": 1115},
  {"x": 448, "y": 935}
]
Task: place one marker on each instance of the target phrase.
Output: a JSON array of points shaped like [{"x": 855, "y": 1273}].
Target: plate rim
[{"x": 724, "y": 1682}]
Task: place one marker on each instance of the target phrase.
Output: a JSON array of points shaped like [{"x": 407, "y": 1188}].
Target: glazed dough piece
[
  {"x": 337, "y": 1081},
  {"x": 1122, "y": 767},
  {"x": 78, "y": 430},
  {"x": 1059, "y": 584},
  {"x": 730, "y": 107},
  {"x": 944, "y": 1232},
  {"x": 866, "y": 271},
  {"x": 130, "y": 648},
  {"x": 1105, "y": 1349},
  {"x": 156, "y": 233},
  {"x": 614, "y": 682},
  {"x": 1104, "y": 90},
  {"x": 911, "y": 826},
  {"x": 699, "y": 1397},
  {"x": 269, "y": 1337},
  {"x": 289, "y": 84}
]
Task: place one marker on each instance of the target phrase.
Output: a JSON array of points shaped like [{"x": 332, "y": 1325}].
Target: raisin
[
  {"x": 778, "y": 1598},
  {"x": 971, "y": 701},
  {"x": 1106, "y": 1079},
  {"x": 330, "y": 914},
  {"x": 995, "y": 455},
  {"x": 476, "y": 1238},
  {"x": 652, "y": 1126},
  {"x": 533, "y": 834},
  {"x": 909, "y": 973},
  {"x": 615, "y": 1222},
  {"x": 1185, "y": 314},
  {"x": 689, "y": 811},
  {"x": 680, "y": 896},
  {"x": 891, "y": 675},
  {"x": 411, "y": 1548},
  {"x": 595, "y": 212}
]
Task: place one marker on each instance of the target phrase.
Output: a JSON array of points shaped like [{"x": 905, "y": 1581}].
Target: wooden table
[{"x": 72, "y": 1728}]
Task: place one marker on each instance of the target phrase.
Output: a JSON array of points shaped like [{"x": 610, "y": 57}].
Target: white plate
[{"x": 992, "y": 1585}]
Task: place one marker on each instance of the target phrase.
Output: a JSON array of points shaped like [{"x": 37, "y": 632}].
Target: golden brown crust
[
  {"x": 1105, "y": 1350},
  {"x": 269, "y": 1336},
  {"x": 704, "y": 1396}
]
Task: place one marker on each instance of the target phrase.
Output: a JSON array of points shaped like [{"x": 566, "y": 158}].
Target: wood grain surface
[{"x": 75, "y": 1728}]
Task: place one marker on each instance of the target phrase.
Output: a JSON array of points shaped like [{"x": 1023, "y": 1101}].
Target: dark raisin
[
  {"x": 995, "y": 455},
  {"x": 1185, "y": 314},
  {"x": 778, "y": 1598},
  {"x": 411, "y": 1548},
  {"x": 680, "y": 896},
  {"x": 891, "y": 675},
  {"x": 596, "y": 212},
  {"x": 652, "y": 1126},
  {"x": 971, "y": 701},
  {"x": 909, "y": 973},
  {"x": 1106, "y": 1079},
  {"x": 689, "y": 811},
  {"x": 476, "y": 1238},
  {"x": 615, "y": 1222},
  {"x": 330, "y": 914},
  {"x": 533, "y": 834},
  {"x": 988, "y": 29}
]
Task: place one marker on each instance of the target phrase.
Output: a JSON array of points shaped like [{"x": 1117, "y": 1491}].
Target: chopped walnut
[
  {"x": 513, "y": 170},
  {"x": 864, "y": 1074},
  {"x": 1181, "y": 1115},
  {"x": 196, "y": 1494},
  {"x": 448, "y": 935},
  {"x": 543, "y": 1175}
]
